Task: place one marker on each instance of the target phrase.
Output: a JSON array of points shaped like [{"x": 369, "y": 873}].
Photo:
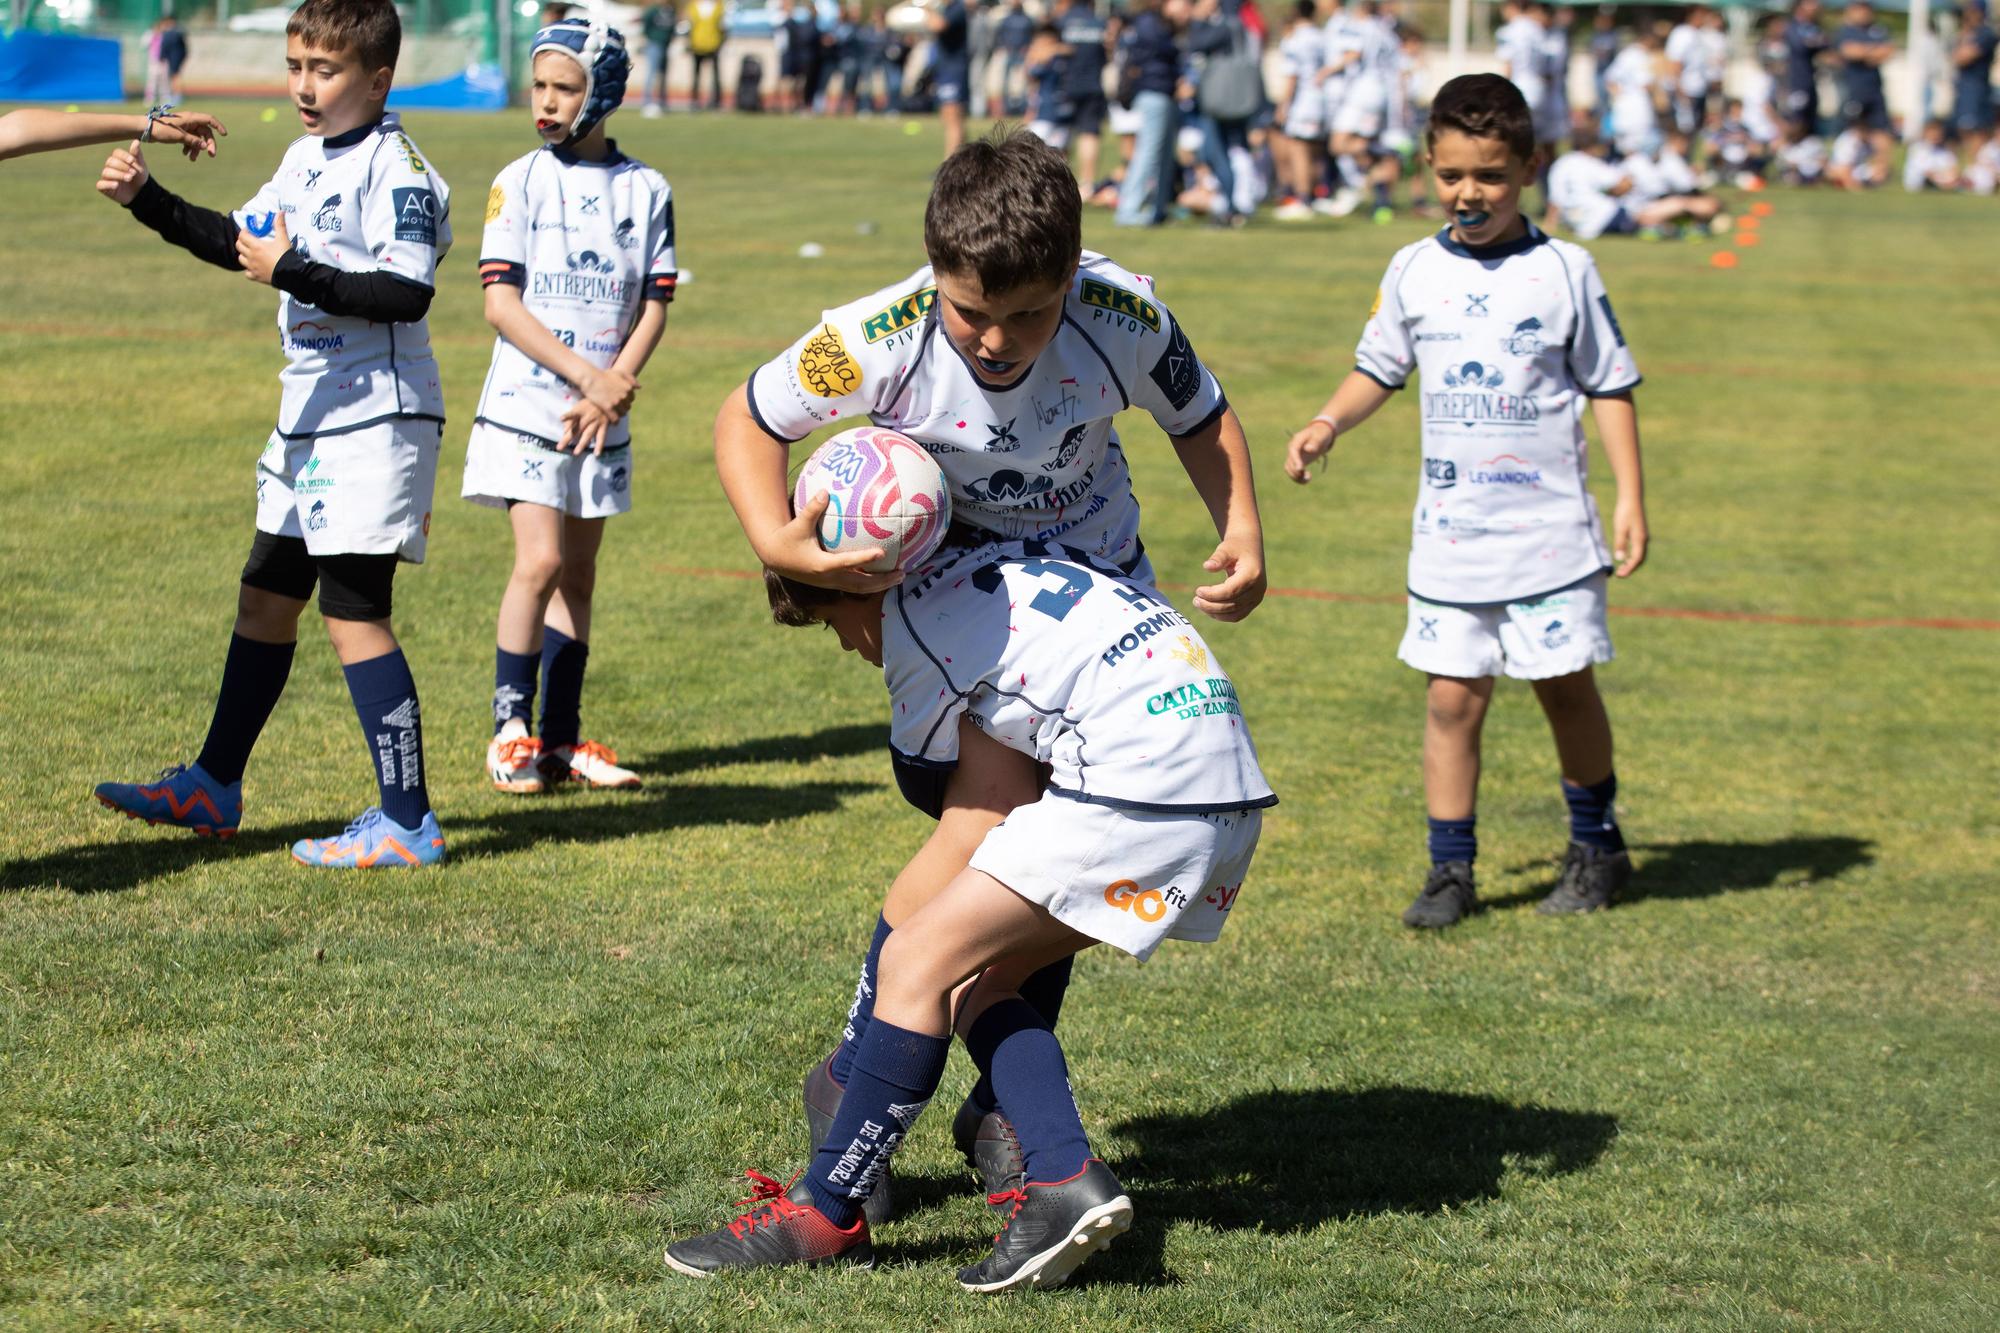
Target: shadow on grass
[
  {"x": 828, "y": 742},
  {"x": 1288, "y": 1161},
  {"x": 1703, "y": 869},
  {"x": 115, "y": 866}
]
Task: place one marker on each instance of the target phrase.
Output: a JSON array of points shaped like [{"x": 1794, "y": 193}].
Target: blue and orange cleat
[
  {"x": 375, "y": 842},
  {"x": 184, "y": 796}
]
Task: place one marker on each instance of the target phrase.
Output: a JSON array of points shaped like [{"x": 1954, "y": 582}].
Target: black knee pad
[
  {"x": 281, "y": 565},
  {"x": 356, "y": 587}
]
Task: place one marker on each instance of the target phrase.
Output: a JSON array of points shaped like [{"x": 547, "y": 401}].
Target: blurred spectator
[
  {"x": 1632, "y": 85},
  {"x": 1301, "y": 112},
  {"x": 1852, "y": 162},
  {"x": 1736, "y": 151},
  {"x": 1225, "y": 93},
  {"x": 951, "y": 68},
  {"x": 1604, "y": 44},
  {"x": 893, "y": 60},
  {"x": 1011, "y": 36},
  {"x": 166, "y": 53},
  {"x": 658, "y": 27},
  {"x": 1086, "y": 42},
  {"x": 797, "y": 76},
  {"x": 1553, "y": 126},
  {"x": 1930, "y": 164},
  {"x": 1047, "y": 69},
  {"x": 1805, "y": 45},
  {"x": 707, "y": 30},
  {"x": 1864, "y": 47},
  {"x": 1697, "y": 54},
  {"x": 1972, "y": 71},
  {"x": 981, "y": 21},
  {"x": 1154, "y": 58}
]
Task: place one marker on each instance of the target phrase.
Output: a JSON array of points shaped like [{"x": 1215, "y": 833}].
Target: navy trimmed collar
[
  {"x": 1534, "y": 237},
  {"x": 355, "y": 135},
  {"x": 568, "y": 157}
]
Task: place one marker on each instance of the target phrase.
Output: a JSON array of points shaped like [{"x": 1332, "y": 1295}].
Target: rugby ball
[{"x": 882, "y": 490}]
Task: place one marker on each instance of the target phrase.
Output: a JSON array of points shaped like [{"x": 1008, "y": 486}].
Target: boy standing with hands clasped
[
  {"x": 1511, "y": 332},
  {"x": 350, "y": 231},
  {"x": 578, "y": 267}
]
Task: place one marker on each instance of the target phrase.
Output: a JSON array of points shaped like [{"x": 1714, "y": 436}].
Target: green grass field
[{"x": 238, "y": 1093}]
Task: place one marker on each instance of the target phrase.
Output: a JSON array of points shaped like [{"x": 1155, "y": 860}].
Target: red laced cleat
[{"x": 780, "y": 1228}]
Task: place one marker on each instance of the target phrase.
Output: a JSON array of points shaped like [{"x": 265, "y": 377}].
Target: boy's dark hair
[
  {"x": 1306, "y": 9},
  {"x": 1005, "y": 210},
  {"x": 793, "y": 603},
  {"x": 369, "y": 28},
  {"x": 1484, "y": 106}
]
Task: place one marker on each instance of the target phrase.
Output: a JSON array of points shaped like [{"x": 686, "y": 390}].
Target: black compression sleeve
[
  {"x": 202, "y": 232},
  {"x": 382, "y": 297}
]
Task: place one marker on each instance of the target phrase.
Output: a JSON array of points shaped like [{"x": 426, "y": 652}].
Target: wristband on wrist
[{"x": 1330, "y": 423}]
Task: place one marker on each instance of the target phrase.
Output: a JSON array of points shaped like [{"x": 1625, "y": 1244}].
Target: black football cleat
[
  {"x": 1051, "y": 1229},
  {"x": 781, "y": 1228},
  {"x": 822, "y": 1101},
  {"x": 1447, "y": 898},
  {"x": 1591, "y": 880},
  {"x": 989, "y": 1146}
]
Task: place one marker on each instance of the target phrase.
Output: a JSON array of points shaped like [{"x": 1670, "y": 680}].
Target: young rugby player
[
  {"x": 1145, "y": 833},
  {"x": 350, "y": 231},
  {"x": 1512, "y": 333},
  {"x": 1006, "y": 357},
  {"x": 578, "y": 266}
]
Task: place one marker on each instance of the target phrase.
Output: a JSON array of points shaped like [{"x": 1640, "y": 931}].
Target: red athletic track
[{"x": 1641, "y": 612}]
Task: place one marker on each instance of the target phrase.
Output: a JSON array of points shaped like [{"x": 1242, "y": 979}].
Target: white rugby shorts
[
  {"x": 1127, "y": 877},
  {"x": 1305, "y": 118},
  {"x": 503, "y": 465},
  {"x": 1363, "y": 110},
  {"x": 1557, "y": 635},
  {"x": 360, "y": 492}
]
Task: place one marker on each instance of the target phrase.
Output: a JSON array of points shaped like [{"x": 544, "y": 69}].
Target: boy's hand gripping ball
[{"x": 882, "y": 490}]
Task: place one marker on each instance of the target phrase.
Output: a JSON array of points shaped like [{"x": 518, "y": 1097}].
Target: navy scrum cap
[{"x": 601, "y": 51}]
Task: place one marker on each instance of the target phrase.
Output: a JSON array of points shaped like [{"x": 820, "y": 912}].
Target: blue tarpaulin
[
  {"x": 479, "y": 88},
  {"x": 55, "y": 67}
]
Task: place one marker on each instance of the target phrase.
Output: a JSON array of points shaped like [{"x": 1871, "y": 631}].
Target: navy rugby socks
[
  {"x": 1591, "y": 821},
  {"x": 862, "y": 1009},
  {"x": 253, "y": 676},
  {"x": 385, "y": 699},
  {"x": 563, "y": 660},
  {"x": 514, "y": 686},
  {"x": 1013, "y": 1047},
  {"x": 894, "y": 1074},
  {"x": 1454, "y": 840},
  {"x": 1044, "y": 993}
]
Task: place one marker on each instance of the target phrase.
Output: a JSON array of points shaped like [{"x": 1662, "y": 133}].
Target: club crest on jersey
[
  {"x": 1001, "y": 438},
  {"x": 1008, "y": 487},
  {"x": 892, "y": 320},
  {"x": 316, "y": 517},
  {"x": 1526, "y": 339},
  {"x": 592, "y": 205},
  {"x": 312, "y": 179},
  {"x": 626, "y": 240},
  {"x": 1473, "y": 375},
  {"x": 1427, "y": 628},
  {"x": 1121, "y": 308},
  {"x": 825, "y": 368},
  {"x": 620, "y": 479},
  {"x": 1475, "y": 306},
  {"x": 1066, "y": 452},
  {"x": 496, "y": 203},
  {"x": 327, "y": 216}
]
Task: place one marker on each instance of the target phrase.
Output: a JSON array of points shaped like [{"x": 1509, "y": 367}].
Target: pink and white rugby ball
[{"x": 883, "y": 490}]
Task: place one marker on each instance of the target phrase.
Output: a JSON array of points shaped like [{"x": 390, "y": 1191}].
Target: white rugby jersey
[
  {"x": 361, "y": 201},
  {"x": 1580, "y": 186},
  {"x": 1302, "y": 53},
  {"x": 1509, "y": 340},
  {"x": 1340, "y": 36},
  {"x": 587, "y": 243},
  {"x": 1073, "y": 664},
  {"x": 1037, "y": 459},
  {"x": 1519, "y": 42}
]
